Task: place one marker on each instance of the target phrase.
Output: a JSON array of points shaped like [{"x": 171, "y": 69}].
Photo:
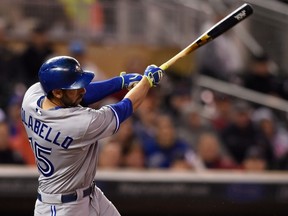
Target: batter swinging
[{"x": 64, "y": 134}]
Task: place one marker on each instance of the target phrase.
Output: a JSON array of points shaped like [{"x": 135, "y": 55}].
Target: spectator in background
[
  {"x": 19, "y": 141},
  {"x": 165, "y": 149},
  {"x": 259, "y": 76},
  {"x": 282, "y": 164},
  {"x": 124, "y": 149},
  {"x": 212, "y": 154},
  {"x": 133, "y": 156},
  {"x": 254, "y": 160},
  {"x": 176, "y": 95},
  {"x": 242, "y": 134},
  {"x": 221, "y": 58},
  {"x": 7, "y": 155},
  {"x": 178, "y": 102},
  {"x": 192, "y": 125},
  {"x": 78, "y": 50},
  {"x": 8, "y": 66},
  {"x": 110, "y": 155},
  {"x": 135, "y": 64},
  {"x": 126, "y": 135},
  {"x": 37, "y": 51},
  {"x": 145, "y": 118},
  {"x": 274, "y": 133},
  {"x": 223, "y": 108}
]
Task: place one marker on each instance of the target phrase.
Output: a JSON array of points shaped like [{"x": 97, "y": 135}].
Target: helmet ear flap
[{"x": 63, "y": 72}]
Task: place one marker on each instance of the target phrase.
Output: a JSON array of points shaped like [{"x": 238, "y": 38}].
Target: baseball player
[{"x": 63, "y": 134}]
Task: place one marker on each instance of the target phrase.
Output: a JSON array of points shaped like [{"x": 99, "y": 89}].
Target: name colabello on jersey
[{"x": 45, "y": 132}]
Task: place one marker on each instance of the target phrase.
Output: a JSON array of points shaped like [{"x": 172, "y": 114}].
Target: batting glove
[
  {"x": 154, "y": 75},
  {"x": 130, "y": 80}
]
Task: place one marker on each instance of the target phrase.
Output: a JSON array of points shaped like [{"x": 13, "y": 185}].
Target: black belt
[{"x": 65, "y": 198}]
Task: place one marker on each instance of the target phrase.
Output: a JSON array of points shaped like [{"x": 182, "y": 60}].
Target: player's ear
[{"x": 58, "y": 93}]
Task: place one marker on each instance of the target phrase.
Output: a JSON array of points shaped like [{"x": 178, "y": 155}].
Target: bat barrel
[
  {"x": 219, "y": 28},
  {"x": 230, "y": 20}
]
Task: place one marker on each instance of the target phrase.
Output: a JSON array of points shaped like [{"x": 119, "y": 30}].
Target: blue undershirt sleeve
[
  {"x": 96, "y": 91},
  {"x": 122, "y": 109}
]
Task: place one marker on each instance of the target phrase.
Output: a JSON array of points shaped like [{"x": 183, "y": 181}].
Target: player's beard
[{"x": 67, "y": 102}]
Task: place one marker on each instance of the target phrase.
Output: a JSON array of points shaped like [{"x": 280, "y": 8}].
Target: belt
[{"x": 64, "y": 198}]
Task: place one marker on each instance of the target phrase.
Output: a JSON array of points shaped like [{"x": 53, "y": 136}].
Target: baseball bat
[{"x": 219, "y": 28}]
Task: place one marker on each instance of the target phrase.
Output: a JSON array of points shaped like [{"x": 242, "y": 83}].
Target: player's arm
[
  {"x": 152, "y": 77},
  {"x": 96, "y": 91},
  {"x": 134, "y": 98}
]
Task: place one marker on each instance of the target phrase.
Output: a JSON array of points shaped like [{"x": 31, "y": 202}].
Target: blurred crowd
[{"x": 171, "y": 130}]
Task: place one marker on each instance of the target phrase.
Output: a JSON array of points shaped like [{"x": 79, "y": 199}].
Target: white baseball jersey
[{"x": 64, "y": 141}]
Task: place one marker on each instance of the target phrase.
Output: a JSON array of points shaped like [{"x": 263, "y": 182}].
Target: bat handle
[
  {"x": 193, "y": 46},
  {"x": 164, "y": 66},
  {"x": 171, "y": 61}
]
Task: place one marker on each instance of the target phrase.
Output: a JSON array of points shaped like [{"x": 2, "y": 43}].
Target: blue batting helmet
[{"x": 63, "y": 72}]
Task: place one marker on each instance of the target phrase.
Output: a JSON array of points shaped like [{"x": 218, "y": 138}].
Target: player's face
[{"x": 72, "y": 97}]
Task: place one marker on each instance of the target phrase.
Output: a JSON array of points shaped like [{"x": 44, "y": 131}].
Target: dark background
[{"x": 17, "y": 197}]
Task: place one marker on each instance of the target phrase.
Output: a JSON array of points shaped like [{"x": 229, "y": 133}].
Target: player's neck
[{"x": 50, "y": 104}]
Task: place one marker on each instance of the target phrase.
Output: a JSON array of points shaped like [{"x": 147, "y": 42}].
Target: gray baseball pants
[{"x": 96, "y": 204}]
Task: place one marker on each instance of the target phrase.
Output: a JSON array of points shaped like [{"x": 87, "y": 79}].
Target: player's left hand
[
  {"x": 154, "y": 75},
  {"x": 130, "y": 80}
]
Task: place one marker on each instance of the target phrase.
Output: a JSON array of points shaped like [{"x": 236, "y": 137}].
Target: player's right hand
[
  {"x": 130, "y": 80},
  {"x": 154, "y": 75}
]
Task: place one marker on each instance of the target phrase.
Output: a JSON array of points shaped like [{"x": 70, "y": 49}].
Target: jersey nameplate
[{"x": 45, "y": 132}]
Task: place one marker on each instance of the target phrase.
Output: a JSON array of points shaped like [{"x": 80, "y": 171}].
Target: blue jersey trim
[
  {"x": 40, "y": 101},
  {"x": 117, "y": 119},
  {"x": 122, "y": 110}
]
